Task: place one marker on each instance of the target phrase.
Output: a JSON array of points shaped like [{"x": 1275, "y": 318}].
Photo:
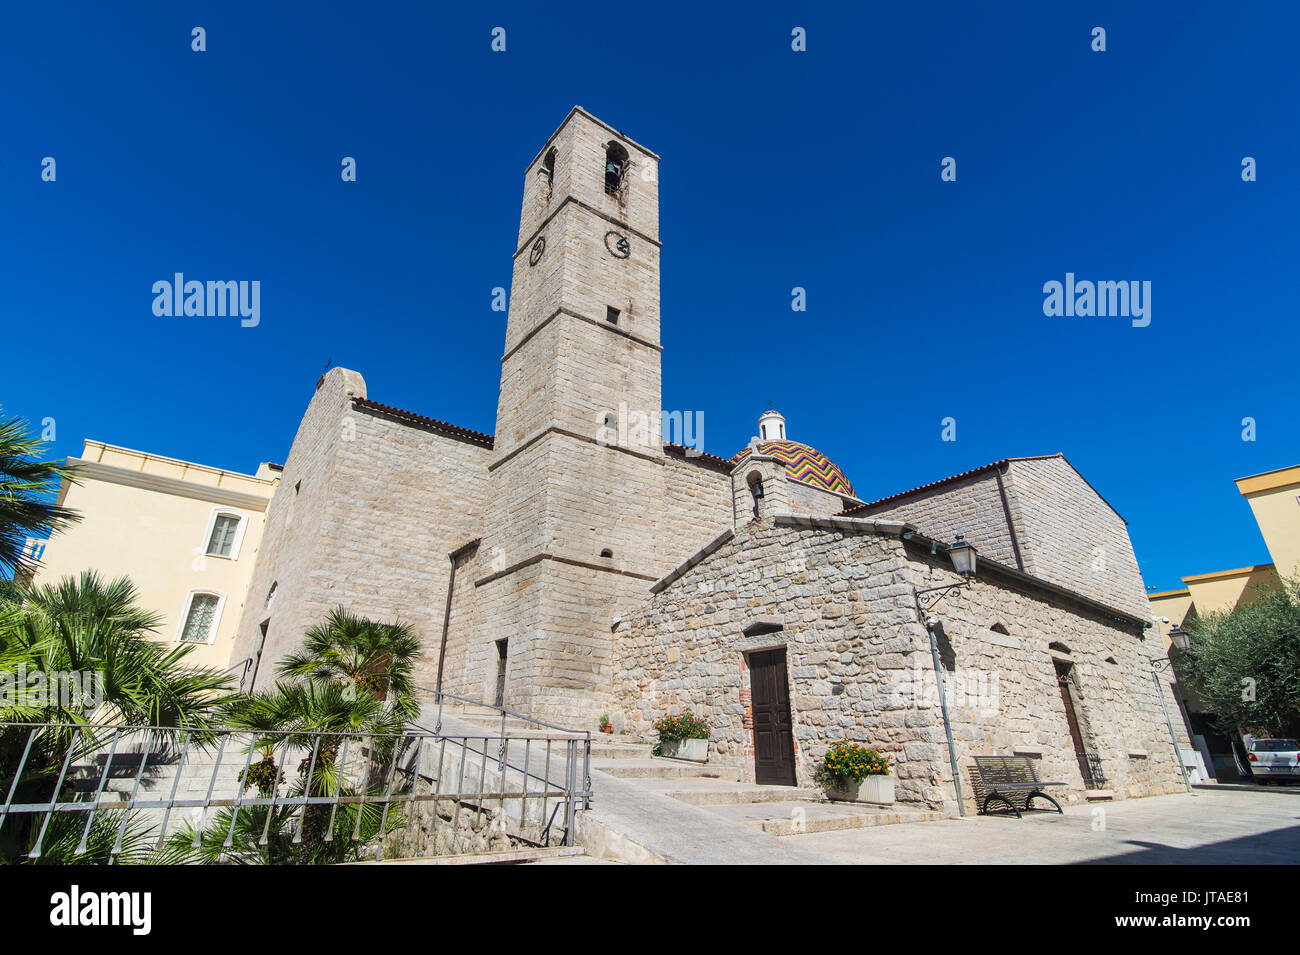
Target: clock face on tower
[
  {"x": 618, "y": 245},
  {"x": 538, "y": 248}
]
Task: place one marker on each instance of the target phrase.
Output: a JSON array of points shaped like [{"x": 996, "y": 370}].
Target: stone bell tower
[{"x": 576, "y": 476}]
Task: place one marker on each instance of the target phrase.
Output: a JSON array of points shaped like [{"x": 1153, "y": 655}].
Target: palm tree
[
  {"x": 98, "y": 630},
  {"x": 85, "y": 624},
  {"x": 24, "y": 483},
  {"x": 378, "y": 658},
  {"x": 353, "y": 678},
  {"x": 298, "y": 717}
]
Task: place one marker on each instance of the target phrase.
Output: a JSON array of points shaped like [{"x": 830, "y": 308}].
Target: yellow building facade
[
  {"x": 186, "y": 534},
  {"x": 1274, "y": 498}
]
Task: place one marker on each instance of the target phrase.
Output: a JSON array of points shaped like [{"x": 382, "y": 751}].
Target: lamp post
[{"x": 963, "y": 556}]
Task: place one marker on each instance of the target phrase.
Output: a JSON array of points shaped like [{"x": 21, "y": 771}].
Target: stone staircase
[
  {"x": 650, "y": 809},
  {"x": 778, "y": 810}
]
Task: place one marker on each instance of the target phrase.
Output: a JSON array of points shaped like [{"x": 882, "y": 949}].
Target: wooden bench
[{"x": 1011, "y": 780}]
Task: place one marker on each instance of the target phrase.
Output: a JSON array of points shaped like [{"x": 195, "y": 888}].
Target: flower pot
[
  {"x": 696, "y": 750},
  {"x": 607, "y": 729},
  {"x": 878, "y": 790}
]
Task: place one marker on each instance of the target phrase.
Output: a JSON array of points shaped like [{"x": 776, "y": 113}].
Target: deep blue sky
[{"x": 816, "y": 169}]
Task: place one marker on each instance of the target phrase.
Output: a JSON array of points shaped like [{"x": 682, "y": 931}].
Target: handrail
[
  {"x": 500, "y": 709},
  {"x": 503, "y": 760},
  {"x": 584, "y": 735},
  {"x": 246, "y": 664},
  {"x": 518, "y": 770}
]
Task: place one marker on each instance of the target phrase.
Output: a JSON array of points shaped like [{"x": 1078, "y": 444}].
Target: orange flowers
[{"x": 853, "y": 761}]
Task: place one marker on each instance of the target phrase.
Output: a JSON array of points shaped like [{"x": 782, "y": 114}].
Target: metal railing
[
  {"x": 1090, "y": 769},
  {"x": 243, "y": 666},
  {"x": 504, "y": 714},
  {"x": 189, "y": 789}
]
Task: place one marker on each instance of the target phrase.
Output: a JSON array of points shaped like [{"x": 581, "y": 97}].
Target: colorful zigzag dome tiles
[{"x": 806, "y": 465}]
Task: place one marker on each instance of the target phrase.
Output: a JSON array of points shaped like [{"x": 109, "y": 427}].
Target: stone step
[
  {"x": 602, "y": 750},
  {"x": 797, "y": 817},
  {"x": 490, "y": 725},
  {"x": 630, "y": 822},
  {"x": 705, "y": 791},
  {"x": 653, "y": 767}
]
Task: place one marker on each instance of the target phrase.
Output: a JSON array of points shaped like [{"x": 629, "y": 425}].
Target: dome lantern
[
  {"x": 771, "y": 426},
  {"x": 803, "y": 464}
]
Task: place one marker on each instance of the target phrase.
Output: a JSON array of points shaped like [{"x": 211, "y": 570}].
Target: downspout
[
  {"x": 943, "y": 705},
  {"x": 446, "y": 625},
  {"x": 1173, "y": 737},
  {"x": 1011, "y": 526},
  {"x": 446, "y": 616}
]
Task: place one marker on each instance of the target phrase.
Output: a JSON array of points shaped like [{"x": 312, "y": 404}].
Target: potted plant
[
  {"x": 684, "y": 736},
  {"x": 851, "y": 772},
  {"x": 605, "y": 725}
]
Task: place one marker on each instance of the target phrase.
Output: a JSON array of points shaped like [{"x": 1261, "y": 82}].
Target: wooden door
[
  {"x": 1086, "y": 769},
  {"x": 773, "y": 734}
]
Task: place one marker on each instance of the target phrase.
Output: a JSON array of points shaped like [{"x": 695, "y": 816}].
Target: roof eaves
[{"x": 433, "y": 424}]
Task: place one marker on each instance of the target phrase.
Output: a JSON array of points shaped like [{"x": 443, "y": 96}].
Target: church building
[{"x": 567, "y": 566}]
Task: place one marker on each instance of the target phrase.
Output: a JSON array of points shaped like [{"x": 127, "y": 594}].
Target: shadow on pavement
[{"x": 1277, "y": 847}]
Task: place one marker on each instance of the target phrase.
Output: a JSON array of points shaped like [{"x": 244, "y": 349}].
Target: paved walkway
[
  {"x": 672, "y": 831},
  {"x": 1209, "y": 827}
]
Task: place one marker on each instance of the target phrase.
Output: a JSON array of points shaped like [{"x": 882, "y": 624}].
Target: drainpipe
[
  {"x": 446, "y": 620},
  {"x": 446, "y": 624},
  {"x": 930, "y": 624},
  {"x": 1173, "y": 737}
]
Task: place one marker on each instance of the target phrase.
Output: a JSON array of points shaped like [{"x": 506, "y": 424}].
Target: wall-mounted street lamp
[
  {"x": 963, "y": 556},
  {"x": 962, "y": 553},
  {"x": 1179, "y": 638}
]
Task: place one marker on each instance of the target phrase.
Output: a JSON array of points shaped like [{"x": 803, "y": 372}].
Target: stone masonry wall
[
  {"x": 696, "y": 506},
  {"x": 1072, "y": 537},
  {"x": 372, "y": 506},
  {"x": 806, "y": 499},
  {"x": 860, "y": 668},
  {"x": 971, "y": 507},
  {"x": 1065, "y": 531},
  {"x": 286, "y": 557}
]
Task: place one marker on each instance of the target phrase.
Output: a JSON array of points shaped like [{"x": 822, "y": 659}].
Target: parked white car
[{"x": 1274, "y": 759}]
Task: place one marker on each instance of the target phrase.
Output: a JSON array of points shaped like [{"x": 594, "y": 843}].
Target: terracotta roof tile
[
  {"x": 690, "y": 454},
  {"x": 948, "y": 480},
  {"x": 433, "y": 424}
]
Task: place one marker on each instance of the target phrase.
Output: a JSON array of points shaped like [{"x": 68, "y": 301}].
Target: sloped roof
[
  {"x": 999, "y": 464},
  {"x": 433, "y": 424}
]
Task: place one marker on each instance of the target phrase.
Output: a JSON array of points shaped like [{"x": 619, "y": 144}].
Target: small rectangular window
[
  {"x": 611, "y": 314},
  {"x": 201, "y": 618},
  {"x": 223, "y": 535}
]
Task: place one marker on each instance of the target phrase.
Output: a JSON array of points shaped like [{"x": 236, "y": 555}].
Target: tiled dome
[{"x": 806, "y": 465}]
